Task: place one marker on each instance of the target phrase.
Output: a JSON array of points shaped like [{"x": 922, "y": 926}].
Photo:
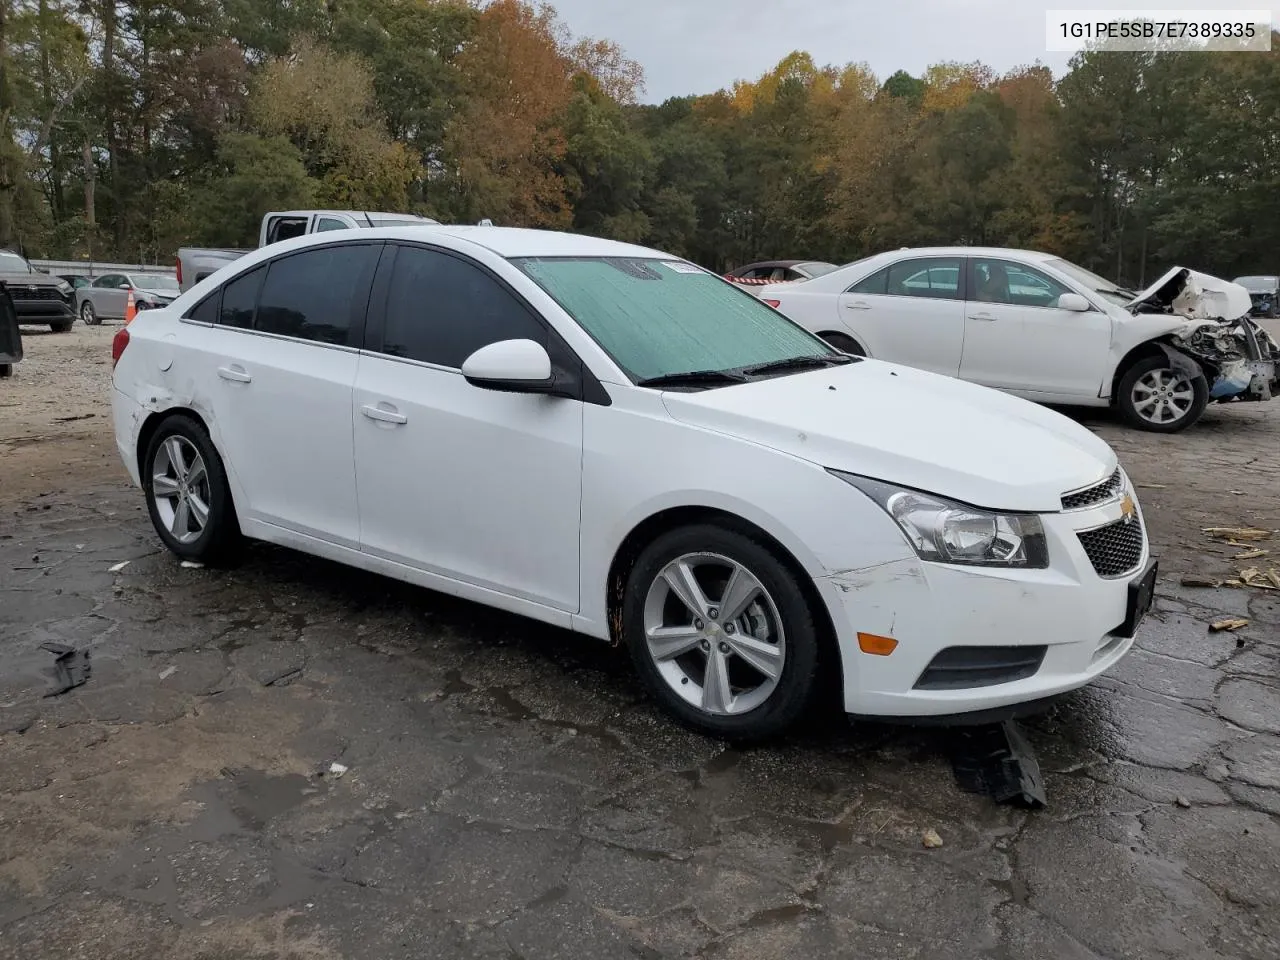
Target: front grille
[
  {"x": 960, "y": 668},
  {"x": 1115, "y": 549},
  {"x": 20, "y": 292},
  {"x": 1099, "y": 493}
]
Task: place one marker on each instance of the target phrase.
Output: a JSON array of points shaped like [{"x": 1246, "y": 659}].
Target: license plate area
[{"x": 1142, "y": 591}]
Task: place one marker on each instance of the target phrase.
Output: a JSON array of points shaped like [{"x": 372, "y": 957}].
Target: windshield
[
  {"x": 657, "y": 317},
  {"x": 157, "y": 283},
  {"x": 815, "y": 268},
  {"x": 1259, "y": 284},
  {"x": 1088, "y": 278},
  {"x": 13, "y": 263}
]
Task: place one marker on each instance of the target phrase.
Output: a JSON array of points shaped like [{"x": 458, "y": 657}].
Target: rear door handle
[
  {"x": 857, "y": 305},
  {"x": 236, "y": 373},
  {"x": 383, "y": 412},
  {"x": 981, "y": 316}
]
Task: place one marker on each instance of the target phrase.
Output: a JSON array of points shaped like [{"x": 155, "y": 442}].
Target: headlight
[{"x": 948, "y": 532}]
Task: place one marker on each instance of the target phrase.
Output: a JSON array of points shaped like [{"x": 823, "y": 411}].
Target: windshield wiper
[
  {"x": 800, "y": 363},
  {"x": 693, "y": 378}
]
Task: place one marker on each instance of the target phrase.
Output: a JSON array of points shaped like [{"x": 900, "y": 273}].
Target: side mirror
[
  {"x": 124, "y": 286},
  {"x": 513, "y": 366},
  {"x": 1073, "y": 301}
]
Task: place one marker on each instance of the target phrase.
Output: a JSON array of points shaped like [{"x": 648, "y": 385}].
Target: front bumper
[
  {"x": 1067, "y": 609},
  {"x": 43, "y": 311}
]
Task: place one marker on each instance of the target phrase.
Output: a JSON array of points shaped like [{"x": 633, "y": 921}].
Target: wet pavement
[{"x": 504, "y": 790}]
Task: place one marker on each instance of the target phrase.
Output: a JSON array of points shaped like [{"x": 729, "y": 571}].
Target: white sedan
[
  {"x": 613, "y": 440},
  {"x": 1046, "y": 329}
]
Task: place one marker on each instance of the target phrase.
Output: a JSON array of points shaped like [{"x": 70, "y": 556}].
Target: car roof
[
  {"x": 971, "y": 252},
  {"x": 522, "y": 242}
]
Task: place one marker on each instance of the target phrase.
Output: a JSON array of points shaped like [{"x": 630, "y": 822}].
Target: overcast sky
[{"x": 699, "y": 46}]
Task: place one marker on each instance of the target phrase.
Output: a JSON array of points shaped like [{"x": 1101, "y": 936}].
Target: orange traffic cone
[{"x": 130, "y": 310}]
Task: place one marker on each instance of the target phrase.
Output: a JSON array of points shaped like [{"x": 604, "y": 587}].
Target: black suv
[{"x": 37, "y": 296}]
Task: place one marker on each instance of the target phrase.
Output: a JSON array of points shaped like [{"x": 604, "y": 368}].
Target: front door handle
[
  {"x": 981, "y": 316},
  {"x": 384, "y": 413},
  {"x": 857, "y": 305},
  {"x": 236, "y": 373}
]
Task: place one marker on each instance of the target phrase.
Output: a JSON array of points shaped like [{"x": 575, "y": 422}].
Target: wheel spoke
[
  {"x": 181, "y": 520},
  {"x": 173, "y": 449},
  {"x": 164, "y": 485},
  {"x": 716, "y": 695},
  {"x": 1147, "y": 404},
  {"x": 199, "y": 510},
  {"x": 765, "y": 658},
  {"x": 197, "y": 472},
  {"x": 741, "y": 589},
  {"x": 683, "y": 584},
  {"x": 667, "y": 643}
]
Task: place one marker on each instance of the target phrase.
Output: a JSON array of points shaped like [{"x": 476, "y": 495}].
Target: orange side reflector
[{"x": 876, "y": 646}]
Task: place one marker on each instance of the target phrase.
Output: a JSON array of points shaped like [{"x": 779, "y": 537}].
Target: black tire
[
  {"x": 844, "y": 344},
  {"x": 62, "y": 326},
  {"x": 220, "y": 539},
  {"x": 89, "y": 315},
  {"x": 797, "y": 682},
  {"x": 1124, "y": 397},
  {"x": 6, "y": 370}
]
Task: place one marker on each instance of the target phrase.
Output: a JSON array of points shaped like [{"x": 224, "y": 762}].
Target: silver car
[{"x": 108, "y": 295}]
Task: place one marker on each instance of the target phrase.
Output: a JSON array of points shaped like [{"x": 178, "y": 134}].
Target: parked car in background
[
  {"x": 38, "y": 298},
  {"x": 107, "y": 296},
  {"x": 76, "y": 280},
  {"x": 613, "y": 440},
  {"x": 196, "y": 263},
  {"x": 1040, "y": 327},
  {"x": 779, "y": 271},
  {"x": 1265, "y": 294}
]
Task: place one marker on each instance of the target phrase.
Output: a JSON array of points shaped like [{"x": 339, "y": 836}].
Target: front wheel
[
  {"x": 61, "y": 327},
  {"x": 721, "y": 633},
  {"x": 187, "y": 493},
  {"x": 1154, "y": 396},
  {"x": 89, "y": 315},
  {"x": 844, "y": 344}
]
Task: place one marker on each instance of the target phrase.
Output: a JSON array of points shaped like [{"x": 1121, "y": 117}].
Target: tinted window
[
  {"x": 239, "y": 297},
  {"x": 206, "y": 311},
  {"x": 328, "y": 223},
  {"x": 313, "y": 295},
  {"x": 937, "y": 278},
  {"x": 1002, "y": 281},
  {"x": 876, "y": 283},
  {"x": 441, "y": 309}
]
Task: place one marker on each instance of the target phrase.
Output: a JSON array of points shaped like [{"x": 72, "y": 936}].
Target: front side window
[
  {"x": 1003, "y": 281},
  {"x": 110, "y": 281},
  {"x": 659, "y": 318},
  {"x": 441, "y": 309},
  {"x": 314, "y": 295}
]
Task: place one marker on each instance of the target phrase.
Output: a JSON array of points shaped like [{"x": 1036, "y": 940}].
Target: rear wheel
[
  {"x": 844, "y": 344},
  {"x": 1154, "y": 396},
  {"x": 187, "y": 493},
  {"x": 721, "y": 632}
]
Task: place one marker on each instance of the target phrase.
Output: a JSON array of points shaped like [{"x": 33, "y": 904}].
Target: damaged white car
[{"x": 1041, "y": 327}]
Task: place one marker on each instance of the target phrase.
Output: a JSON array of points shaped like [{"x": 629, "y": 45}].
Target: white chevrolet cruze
[{"x": 613, "y": 440}]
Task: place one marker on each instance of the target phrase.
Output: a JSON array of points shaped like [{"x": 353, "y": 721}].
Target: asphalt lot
[{"x": 508, "y": 792}]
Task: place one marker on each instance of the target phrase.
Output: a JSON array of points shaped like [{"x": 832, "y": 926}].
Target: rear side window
[
  {"x": 877, "y": 283},
  {"x": 934, "y": 278},
  {"x": 316, "y": 294},
  {"x": 206, "y": 311},
  {"x": 441, "y": 309},
  {"x": 239, "y": 297}
]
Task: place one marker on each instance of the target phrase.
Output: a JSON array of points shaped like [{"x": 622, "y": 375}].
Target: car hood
[
  {"x": 1196, "y": 296},
  {"x": 912, "y": 428},
  {"x": 159, "y": 294},
  {"x": 17, "y": 278}
]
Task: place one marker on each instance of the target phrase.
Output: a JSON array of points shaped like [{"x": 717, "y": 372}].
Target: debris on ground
[
  {"x": 996, "y": 759},
  {"x": 192, "y": 565},
  {"x": 1232, "y": 534},
  {"x": 70, "y": 667},
  {"x": 1231, "y": 623},
  {"x": 1251, "y": 554},
  {"x": 932, "y": 840},
  {"x": 168, "y": 672},
  {"x": 337, "y": 769},
  {"x": 1184, "y": 803},
  {"x": 1151, "y": 486},
  {"x": 1201, "y": 582},
  {"x": 117, "y": 567},
  {"x": 1254, "y": 577}
]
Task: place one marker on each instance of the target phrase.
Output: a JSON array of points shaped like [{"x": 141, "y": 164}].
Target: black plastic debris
[
  {"x": 70, "y": 667},
  {"x": 996, "y": 759}
]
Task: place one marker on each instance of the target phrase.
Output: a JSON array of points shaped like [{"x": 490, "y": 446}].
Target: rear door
[
  {"x": 1018, "y": 339},
  {"x": 471, "y": 484},
  {"x": 282, "y": 361},
  {"x": 910, "y": 312}
]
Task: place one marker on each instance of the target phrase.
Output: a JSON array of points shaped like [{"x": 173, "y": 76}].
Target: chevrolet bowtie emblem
[{"x": 1128, "y": 509}]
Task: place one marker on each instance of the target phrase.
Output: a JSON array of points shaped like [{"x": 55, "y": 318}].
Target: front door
[
  {"x": 1016, "y": 338},
  {"x": 471, "y": 484}
]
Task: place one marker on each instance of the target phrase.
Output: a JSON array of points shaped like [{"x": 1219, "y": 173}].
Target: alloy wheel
[
  {"x": 1162, "y": 396},
  {"x": 180, "y": 488}
]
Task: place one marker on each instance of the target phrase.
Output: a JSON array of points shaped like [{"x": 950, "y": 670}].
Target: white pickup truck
[{"x": 196, "y": 263}]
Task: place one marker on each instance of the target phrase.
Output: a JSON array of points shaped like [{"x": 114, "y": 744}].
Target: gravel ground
[{"x": 507, "y": 792}]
